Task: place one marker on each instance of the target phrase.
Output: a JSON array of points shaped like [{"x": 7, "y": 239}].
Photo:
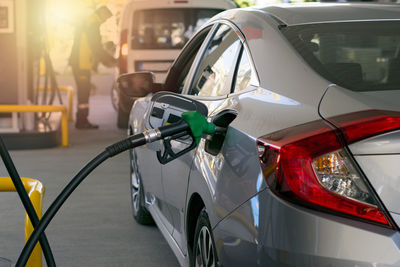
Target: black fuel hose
[
  {"x": 23, "y": 195},
  {"x": 113, "y": 150}
]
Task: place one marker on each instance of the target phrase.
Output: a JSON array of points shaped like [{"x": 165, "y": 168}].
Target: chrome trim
[
  {"x": 246, "y": 47},
  {"x": 341, "y": 21},
  {"x": 152, "y": 135}
]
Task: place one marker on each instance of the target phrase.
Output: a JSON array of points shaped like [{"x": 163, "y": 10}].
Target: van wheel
[
  {"x": 139, "y": 211},
  {"x": 204, "y": 251},
  {"x": 114, "y": 96},
  {"x": 122, "y": 119}
]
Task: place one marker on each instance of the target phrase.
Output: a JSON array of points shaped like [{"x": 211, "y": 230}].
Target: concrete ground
[{"x": 95, "y": 226}]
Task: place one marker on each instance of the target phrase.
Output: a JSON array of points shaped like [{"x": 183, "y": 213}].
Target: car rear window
[
  {"x": 360, "y": 56},
  {"x": 167, "y": 28}
]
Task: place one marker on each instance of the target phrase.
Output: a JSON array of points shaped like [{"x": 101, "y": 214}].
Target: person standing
[{"x": 87, "y": 52}]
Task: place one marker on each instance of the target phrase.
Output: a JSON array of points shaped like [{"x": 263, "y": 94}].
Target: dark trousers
[{"x": 83, "y": 84}]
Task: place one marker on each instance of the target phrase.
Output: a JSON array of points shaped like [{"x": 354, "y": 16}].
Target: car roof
[
  {"x": 147, "y": 4},
  {"x": 290, "y": 14}
]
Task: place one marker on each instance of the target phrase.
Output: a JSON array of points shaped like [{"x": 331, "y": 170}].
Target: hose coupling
[{"x": 152, "y": 135}]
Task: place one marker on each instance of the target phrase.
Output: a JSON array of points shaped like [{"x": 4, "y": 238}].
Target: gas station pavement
[{"x": 95, "y": 225}]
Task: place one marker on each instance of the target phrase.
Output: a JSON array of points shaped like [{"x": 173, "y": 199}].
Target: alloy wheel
[
  {"x": 205, "y": 250},
  {"x": 135, "y": 185}
]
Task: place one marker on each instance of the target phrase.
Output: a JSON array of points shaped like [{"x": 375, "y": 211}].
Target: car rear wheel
[
  {"x": 139, "y": 211},
  {"x": 204, "y": 247}
]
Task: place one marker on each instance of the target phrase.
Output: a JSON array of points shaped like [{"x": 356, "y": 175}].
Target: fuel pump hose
[
  {"x": 26, "y": 202},
  {"x": 191, "y": 123}
]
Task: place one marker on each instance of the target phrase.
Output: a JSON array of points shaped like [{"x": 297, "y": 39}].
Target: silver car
[{"x": 308, "y": 171}]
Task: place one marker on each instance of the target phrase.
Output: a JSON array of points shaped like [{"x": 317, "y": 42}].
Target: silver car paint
[
  {"x": 155, "y": 200},
  {"x": 266, "y": 231},
  {"x": 317, "y": 13},
  {"x": 383, "y": 171},
  {"x": 388, "y": 143},
  {"x": 300, "y": 235},
  {"x": 234, "y": 173},
  {"x": 260, "y": 105},
  {"x": 338, "y": 101},
  {"x": 273, "y": 103},
  {"x": 147, "y": 154},
  {"x": 390, "y": 98},
  {"x": 231, "y": 177}
]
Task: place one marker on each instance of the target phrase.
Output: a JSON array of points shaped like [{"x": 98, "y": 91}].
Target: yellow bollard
[
  {"x": 35, "y": 190},
  {"x": 42, "y": 108},
  {"x": 64, "y": 129},
  {"x": 70, "y": 103}
]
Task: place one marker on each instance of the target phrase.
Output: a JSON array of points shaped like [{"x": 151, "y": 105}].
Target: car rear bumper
[{"x": 266, "y": 231}]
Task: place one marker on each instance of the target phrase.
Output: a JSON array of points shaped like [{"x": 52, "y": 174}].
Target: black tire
[
  {"x": 139, "y": 211},
  {"x": 204, "y": 250},
  {"x": 122, "y": 119},
  {"x": 124, "y": 107},
  {"x": 114, "y": 94}
]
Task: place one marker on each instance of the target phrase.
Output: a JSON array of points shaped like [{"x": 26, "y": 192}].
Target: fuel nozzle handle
[
  {"x": 198, "y": 125},
  {"x": 192, "y": 122}
]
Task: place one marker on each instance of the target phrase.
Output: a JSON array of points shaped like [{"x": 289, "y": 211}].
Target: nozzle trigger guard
[{"x": 169, "y": 154}]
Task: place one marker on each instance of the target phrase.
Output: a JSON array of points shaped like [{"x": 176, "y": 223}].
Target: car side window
[
  {"x": 215, "y": 71},
  {"x": 184, "y": 74},
  {"x": 179, "y": 71},
  {"x": 244, "y": 73}
]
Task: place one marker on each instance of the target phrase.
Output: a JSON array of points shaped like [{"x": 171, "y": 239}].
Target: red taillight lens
[
  {"x": 123, "y": 52},
  {"x": 364, "y": 124},
  {"x": 308, "y": 165}
]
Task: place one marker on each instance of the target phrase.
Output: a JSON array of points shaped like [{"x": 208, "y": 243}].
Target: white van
[{"x": 152, "y": 33}]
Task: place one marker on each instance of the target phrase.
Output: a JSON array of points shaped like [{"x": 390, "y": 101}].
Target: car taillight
[
  {"x": 124, "y": 49},
  {"x": 309, "y": 164},
  {"x": 123, "y": 52}
]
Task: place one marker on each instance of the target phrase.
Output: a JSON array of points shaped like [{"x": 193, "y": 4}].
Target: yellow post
[
  {"x": 35, "y": 190},
  {"x": 64, "y": 129},
  {"x": 70, "y": 94},
  {"x": 42, "y": 108},
  {"x": 70, "y": 103}
]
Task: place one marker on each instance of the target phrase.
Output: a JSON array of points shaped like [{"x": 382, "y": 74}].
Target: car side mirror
[
  {"x": 167, "y": 107},
  {"x": 137, "y": 84}
]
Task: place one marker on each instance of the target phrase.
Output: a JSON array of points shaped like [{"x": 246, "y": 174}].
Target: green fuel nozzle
[
  {"x": 198, "y": 125},
  {"x": 192, "y": 123}
]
